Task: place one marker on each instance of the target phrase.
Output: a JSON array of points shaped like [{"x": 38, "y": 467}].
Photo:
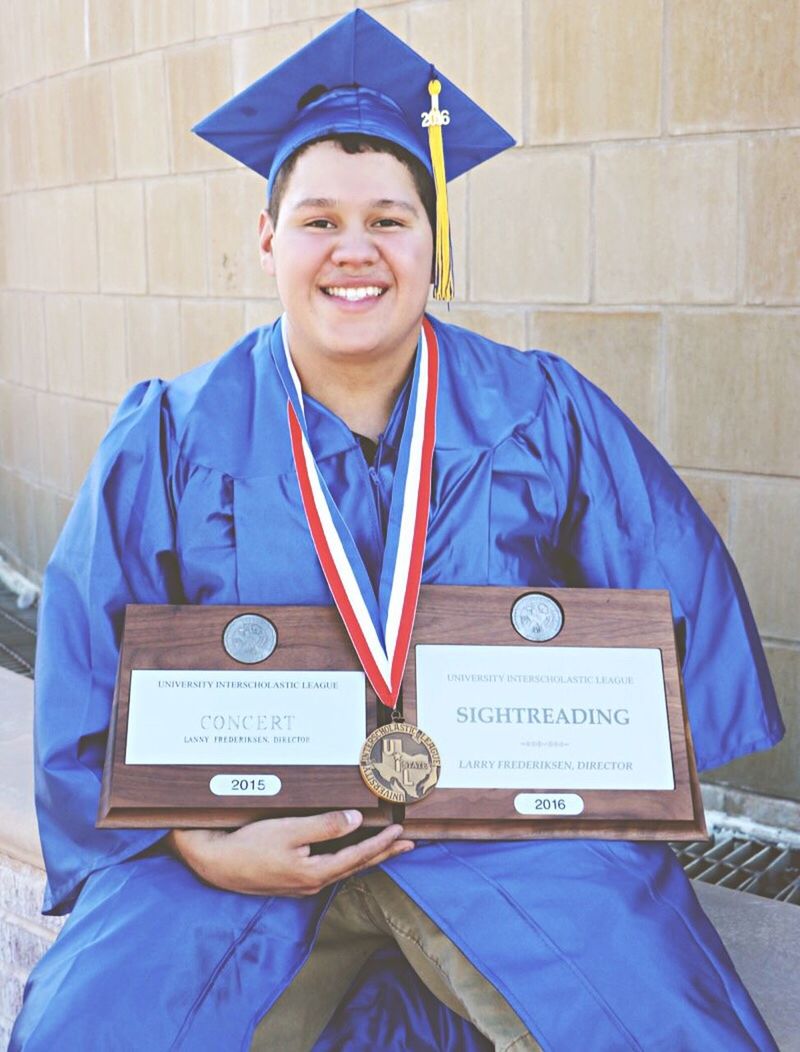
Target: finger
[
  {"x": 330, "y": 826},
  {"x": 327, "y": 868},
  {"x": 400, "y": 847}
]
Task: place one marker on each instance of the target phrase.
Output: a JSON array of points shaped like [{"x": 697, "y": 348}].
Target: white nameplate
[
  {"x": 274, "y": 718},
  {"x": 548, "y": 805},
  {"x": 245, "y": 785},
  {"x": 545, "y": 717}
]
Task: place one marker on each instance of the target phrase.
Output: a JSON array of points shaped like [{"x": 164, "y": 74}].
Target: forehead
[{"x": 327, "y": 170}]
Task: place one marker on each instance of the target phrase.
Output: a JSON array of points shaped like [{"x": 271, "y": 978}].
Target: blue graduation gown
[{"x": 538, "y": 479}]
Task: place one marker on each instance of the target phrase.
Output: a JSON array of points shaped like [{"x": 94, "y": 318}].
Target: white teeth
[{"x": 354, "y": 294}]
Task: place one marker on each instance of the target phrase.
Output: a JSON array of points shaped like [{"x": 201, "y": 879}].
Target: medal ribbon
[{"x": 379, "y": 627}]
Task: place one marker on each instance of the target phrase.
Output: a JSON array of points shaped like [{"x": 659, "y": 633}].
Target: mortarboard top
[{"x": 373, "y": 84}]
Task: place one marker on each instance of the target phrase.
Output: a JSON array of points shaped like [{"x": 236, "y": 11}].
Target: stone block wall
[
  {"x": 646, "y": 227},
  {"x": 24, "y": 934}
]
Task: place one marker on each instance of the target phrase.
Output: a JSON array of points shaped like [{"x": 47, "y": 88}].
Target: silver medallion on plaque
[
  {"x": 537, "y": 617},
  {"x": 249, "y": 638}
]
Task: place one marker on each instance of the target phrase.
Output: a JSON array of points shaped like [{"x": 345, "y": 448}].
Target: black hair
[{"x": 356, "y": 142}]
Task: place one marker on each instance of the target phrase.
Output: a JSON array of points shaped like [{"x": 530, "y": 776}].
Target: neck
[{"x": 360, "y": 390}]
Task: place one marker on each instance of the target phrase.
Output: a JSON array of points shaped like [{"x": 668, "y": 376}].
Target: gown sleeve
[
  {"x": 630, "y": 522},
  {"x": 117, "y": 547}
]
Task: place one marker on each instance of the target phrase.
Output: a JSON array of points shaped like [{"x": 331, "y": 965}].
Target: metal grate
[
  {"x": 771, "y": 870},
  {"x": 17, "y": 634}
]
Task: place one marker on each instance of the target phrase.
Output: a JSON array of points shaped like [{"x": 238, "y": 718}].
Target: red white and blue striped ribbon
[{"x": 379, "y": 626}]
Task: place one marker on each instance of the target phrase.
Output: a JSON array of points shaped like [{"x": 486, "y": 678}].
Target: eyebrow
[{"x": 329, "y": 202}]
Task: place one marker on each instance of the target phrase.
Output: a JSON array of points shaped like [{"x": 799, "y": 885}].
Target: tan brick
[
  {"x": 732, "y": 381},
  {"x": 77, "y": 239},
  {"x": 666, "y": 224},
  {"x": 121, "y": 237},
  {"x": 104, "y": 360},
  {"x": 734, "y": 64},
  {"x": 91, "y": 129},
  {"x": 63, "y": 327},
  {"x": 63, "y": 38},
  {"x": 15, "y": 249},
  {"x": 504, "y": 326},
  {"x": 766, "y": 546},
  {"x": 235, "y": 200},
  {"x": 260, "y": 312},
  {"x": 392, "y": 15},
  {"x": 35, "y": 240},
  {"x": 25, "y": 432},
  {"x": 22, "y": 158},
  {"x": 110, "y": 26},
  {"x": 595, "y": 69},
  {"x": 50, "y": 130},
  {"x": 618, "y": 352},
  {"x": 10, "y": 348},
  {"x": 153, "y": 338},
  {"x": 8, "y": 352},
  {"x": 51, "y": 413},
  {"x": 176, "y": 236},
  {"x": 776, "y": 772},
  {"x": 30, "y": 339},
  {"x": 199, "y": 79},
  {"x": 48, "y": 526},
  {"x": 257, "y": 53},
  {"x": 24, "y": 542},
  {"x": 533, "y": 209},
  {"x": 6, "y": 424},
  {"x": 5, "y": 152},
  {"x": 208, "y": 328},
  {"x": 140, "y": 116},
  {"x": 8, "y": 517},
  {"x": 714, "y": 497},
  {"x": 479, "y": 47},
  {"x": 772, "y": 211},
  {"x": 158, "y": 25},
  {"x": 286, "y": 10},
  {"x": 86, "y": 425},
  {"x": 214, "y": 19}
]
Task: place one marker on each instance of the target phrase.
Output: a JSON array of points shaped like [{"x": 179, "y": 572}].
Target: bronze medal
[{"x": 400, "y": 763}]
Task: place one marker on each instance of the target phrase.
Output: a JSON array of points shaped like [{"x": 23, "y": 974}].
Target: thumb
[{"x": 329, "y": 826}]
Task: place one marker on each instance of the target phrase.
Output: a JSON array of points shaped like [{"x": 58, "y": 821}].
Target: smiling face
[{"x": 351, "y": 253}]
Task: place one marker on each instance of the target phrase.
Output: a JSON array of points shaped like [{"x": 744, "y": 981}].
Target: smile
[{"x": 353, "y": 294}]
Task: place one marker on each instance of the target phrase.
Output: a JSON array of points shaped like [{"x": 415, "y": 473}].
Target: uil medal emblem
[
  {"x": 400, "y": 763},
  {"x": 249, "y": 638},
  {"x": 537, "y": 617}
]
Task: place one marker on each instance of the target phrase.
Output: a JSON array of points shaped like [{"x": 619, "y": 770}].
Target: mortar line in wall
[
  {"x": 741, "y": 225},
  {"x": 666, "y": 66},
  {"x": 592, "y": 246},
  {"x": 525, "y": 124},
  {"x": 573, "y": 306},
  {"x": 785, "y": 644},
  {"x": 662, "y": 429},
  {"x": 733, "y": 510},
  {"x": 598, "y": 145}
]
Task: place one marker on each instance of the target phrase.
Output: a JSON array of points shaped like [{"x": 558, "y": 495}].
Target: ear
[{"x": 266, "y": 232}]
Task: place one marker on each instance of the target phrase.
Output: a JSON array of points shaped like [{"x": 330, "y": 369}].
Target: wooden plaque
[{"x": 313, "y": 639}]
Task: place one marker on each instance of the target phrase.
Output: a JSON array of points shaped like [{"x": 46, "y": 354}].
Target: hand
[{"x": 273, "y": 856}]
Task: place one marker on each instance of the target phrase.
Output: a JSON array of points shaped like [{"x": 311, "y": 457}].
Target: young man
[{"x": 198, "y": 940}]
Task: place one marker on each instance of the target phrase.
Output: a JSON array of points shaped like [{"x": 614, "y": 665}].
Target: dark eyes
[{"x": 326, "y": 224}]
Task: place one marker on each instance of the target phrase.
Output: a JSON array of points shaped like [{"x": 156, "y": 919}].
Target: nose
[{"x": 354, "y": 247}]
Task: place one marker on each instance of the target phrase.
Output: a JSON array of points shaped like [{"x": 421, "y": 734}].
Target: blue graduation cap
[{"x": 360, "y": 78}]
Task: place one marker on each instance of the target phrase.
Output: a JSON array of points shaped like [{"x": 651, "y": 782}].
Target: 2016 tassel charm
[{"x": 434, "y": 120}]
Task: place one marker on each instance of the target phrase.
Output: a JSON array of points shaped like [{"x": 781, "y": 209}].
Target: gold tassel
[{"x": 443, "y": 263}]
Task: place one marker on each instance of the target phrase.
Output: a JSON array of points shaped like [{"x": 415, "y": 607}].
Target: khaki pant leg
[
  {"x": 444, "y": 969},
  {"x": 347, "y": 937}
]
